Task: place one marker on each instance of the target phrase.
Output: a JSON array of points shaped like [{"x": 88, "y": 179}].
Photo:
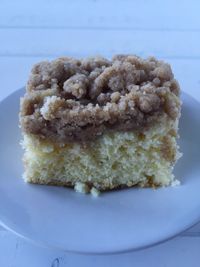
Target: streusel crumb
[{"x": 73, "y": 100}]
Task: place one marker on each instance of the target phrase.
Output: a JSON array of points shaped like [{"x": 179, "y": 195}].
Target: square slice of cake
[{"x": 99, "y": 124}]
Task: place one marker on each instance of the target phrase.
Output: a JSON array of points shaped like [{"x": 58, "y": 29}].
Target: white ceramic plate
[{"x": 116, "y": 221}]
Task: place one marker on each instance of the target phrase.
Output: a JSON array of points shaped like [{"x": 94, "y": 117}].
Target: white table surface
[{"x": 31, "y": 31}]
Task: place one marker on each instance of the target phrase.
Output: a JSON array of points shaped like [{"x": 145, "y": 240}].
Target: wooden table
[{"x": 30, "y": 32}]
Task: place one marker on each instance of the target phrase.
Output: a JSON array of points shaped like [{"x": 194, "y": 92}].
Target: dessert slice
[{"x": 101, "y": 124}]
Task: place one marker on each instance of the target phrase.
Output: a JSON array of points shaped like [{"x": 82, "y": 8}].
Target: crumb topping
[{"x": 70, "y": 99}]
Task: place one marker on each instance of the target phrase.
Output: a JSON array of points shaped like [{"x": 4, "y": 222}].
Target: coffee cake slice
[{"x": 101, "y": 124}]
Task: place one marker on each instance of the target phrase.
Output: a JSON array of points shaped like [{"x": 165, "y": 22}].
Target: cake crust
[
  {"x": 78, "y": 100},
  {"x": 101, "y": 187}
]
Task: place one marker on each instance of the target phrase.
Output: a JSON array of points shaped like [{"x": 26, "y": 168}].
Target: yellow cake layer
[{"x": 113, "y": 160}]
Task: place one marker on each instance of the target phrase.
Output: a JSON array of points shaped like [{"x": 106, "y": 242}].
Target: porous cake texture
[{"x": 100, "y": 124}]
